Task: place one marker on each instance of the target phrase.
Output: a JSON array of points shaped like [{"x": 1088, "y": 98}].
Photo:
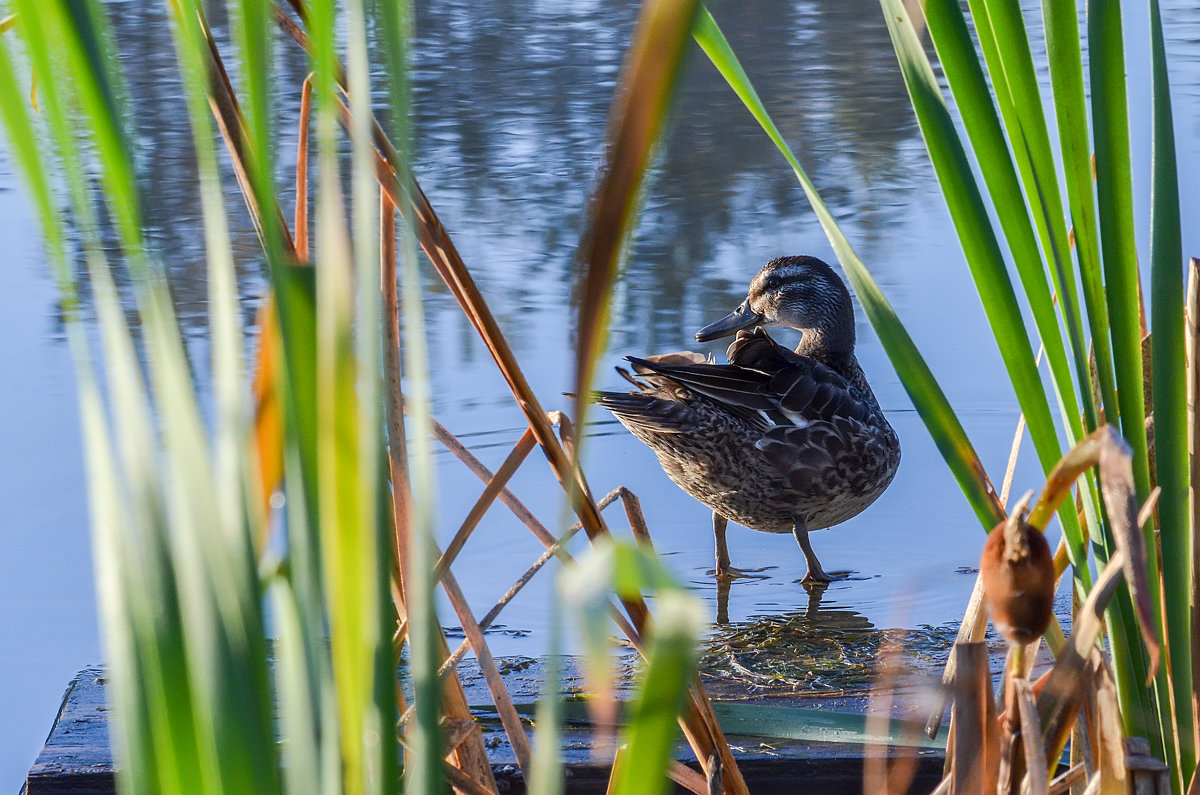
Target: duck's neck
[
  {"x": 830, "y": 350},
  {"x": 838, "y": 358}
]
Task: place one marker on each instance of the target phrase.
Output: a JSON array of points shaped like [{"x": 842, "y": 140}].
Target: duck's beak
[{"x": 740, "y": 318}]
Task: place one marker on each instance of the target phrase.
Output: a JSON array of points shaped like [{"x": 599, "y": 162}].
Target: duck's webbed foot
[
  {"x": 725, "y": 570},
  {"x": 815, "y": 573}
]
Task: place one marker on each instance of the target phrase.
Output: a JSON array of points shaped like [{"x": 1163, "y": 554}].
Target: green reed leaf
[
  {"x": 1005, "y": 43},
  {"x": 965, "y": 76},
  {"x": 1170, "y": 395},
  {"x": 628, "y": 570},
  {"x": 979, "y": 244},
  {"x": 1114, "y": 189},
  {"x": 1065, "y": 58}
]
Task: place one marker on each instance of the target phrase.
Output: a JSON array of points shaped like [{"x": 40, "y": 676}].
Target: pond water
[{"x": 511, "y": 100}]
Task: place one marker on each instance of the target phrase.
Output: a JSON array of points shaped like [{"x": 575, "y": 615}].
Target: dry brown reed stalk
[
  {"x": 494, "y": 486},
  {"x": 887, "y": 769},
  {"x": 470, "y": 753},
  {"x": 509, "y": 718},
  {"x": 1067, "y": 779},
  {"x": 692, "y": 781},
  {"x": 301, "y": 211},
  {"x": 1110, "y": 750},
  {"x": 397, "y": 448},
  {"x": 1037, "y": 781},
  {"x": 976, "y": 751},
  {"x": 231, "y": 122},
  {"x": 464, "y": 783},
  {"x": 1030, "y": 738}
]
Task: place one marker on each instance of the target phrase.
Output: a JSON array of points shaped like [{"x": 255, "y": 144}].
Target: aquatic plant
[
  {"x": 238, "y": 659},
  {"x": 1085, "y": 246},
  {"x": 1078, "y": 265}
]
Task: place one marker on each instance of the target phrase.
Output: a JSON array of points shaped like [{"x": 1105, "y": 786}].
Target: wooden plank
[{"x": 76, "y": 758}]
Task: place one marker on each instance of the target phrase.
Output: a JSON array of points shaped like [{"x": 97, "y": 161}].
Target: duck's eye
[{"x": 773, "y": 282}]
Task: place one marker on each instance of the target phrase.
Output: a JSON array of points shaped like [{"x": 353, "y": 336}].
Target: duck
[{"x": 777, "y": 440}]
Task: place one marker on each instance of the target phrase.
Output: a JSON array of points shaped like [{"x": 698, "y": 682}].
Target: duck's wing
[
  {"x": 647, "y": 410},
  {"x": 766, "y": 377},
  {"x": 842, "y": 456},
  {"x": 664, "y": 405}
]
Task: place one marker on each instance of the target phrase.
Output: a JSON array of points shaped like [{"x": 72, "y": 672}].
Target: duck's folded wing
[
  {"x": 725, "y": 383},
  {"x": 802, "y": 390},
  {"x": 827, "y": 456}
]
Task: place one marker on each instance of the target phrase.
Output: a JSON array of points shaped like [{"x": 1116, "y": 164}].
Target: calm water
[{"x": 512, "y": 99}]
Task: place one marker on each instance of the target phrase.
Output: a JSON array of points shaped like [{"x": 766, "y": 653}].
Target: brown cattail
[{"x": 1017, "y": 569}]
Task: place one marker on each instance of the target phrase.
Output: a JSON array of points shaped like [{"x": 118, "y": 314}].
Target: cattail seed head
[{"x": 1017, "y": 569}]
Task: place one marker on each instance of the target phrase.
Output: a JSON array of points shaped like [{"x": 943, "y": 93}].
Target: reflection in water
[
  {"x": 821, "y": 650},
  {"x": 511, "y": 107},
  {"x": 510, "y": 103}
]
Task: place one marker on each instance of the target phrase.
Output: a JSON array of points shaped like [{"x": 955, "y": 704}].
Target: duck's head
[{"x": 802, "y": 293}]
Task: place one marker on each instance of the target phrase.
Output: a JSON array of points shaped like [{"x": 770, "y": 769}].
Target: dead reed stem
[
  {"x": 301, "y": 212},
  {"x": 494, "y": 486},
  {"x": 971, "y": 630},
  {"x": 491, "y": 674},
  {"x": 1064, "y": 781},
  {"x": 1037, "y": 770},
  {"x": 975, "y": 757}
]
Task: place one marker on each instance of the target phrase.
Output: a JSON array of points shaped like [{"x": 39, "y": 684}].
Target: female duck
[{"x": 776, "y": 440}]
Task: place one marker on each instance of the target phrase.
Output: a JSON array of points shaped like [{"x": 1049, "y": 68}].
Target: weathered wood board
[{"x": 77, "y": 758}]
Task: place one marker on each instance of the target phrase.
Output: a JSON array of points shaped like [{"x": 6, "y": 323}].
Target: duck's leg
[
  {"x": 720, "y": 524},
  {"x": 724, "y": 569},
  {"x": 815, "y": 572}
]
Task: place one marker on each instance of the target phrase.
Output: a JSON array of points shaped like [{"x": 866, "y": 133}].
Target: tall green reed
[
  {"x": 1107, "y": 271},
  {"x": 179, "y": 515},
  {"x": 1061, "y": 252},
  {"x": 175, "y": 506}
]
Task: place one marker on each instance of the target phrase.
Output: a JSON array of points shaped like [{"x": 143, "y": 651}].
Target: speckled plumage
[{"x": 776, "y": 440}]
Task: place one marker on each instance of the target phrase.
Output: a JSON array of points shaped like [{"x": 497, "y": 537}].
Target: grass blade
[
  {"x": 1005, "y": 44},
  {"x": 1114, "y": 191},
  {"x": 1070, "y": 105},
  {"x": 1110, "y": 132},
  {"x": 979, "y": 242},
  {"x": 948, "y": 28},
  {"x": 671, "y": 659},
  {"x": 1170, "y": 396}
]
